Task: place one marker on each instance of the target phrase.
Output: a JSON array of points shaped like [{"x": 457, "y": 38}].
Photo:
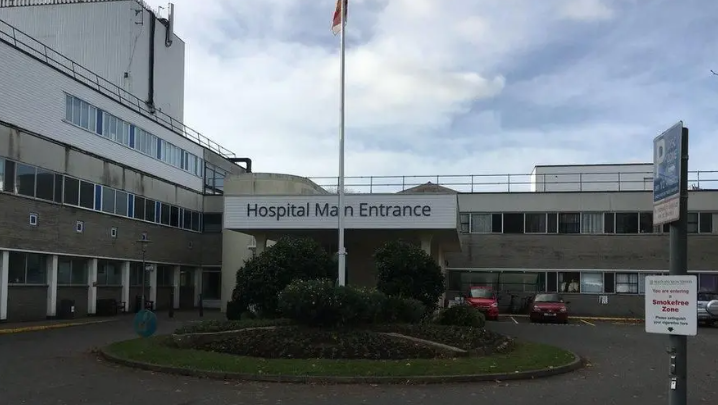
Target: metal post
[
  {"x": 172, "y": 304},
  {"x": 678, "y": 369},
  {"x": 143, "y": 241},
  {"x": 341, "y": 277},
  {"x": 201, "y": 305}
]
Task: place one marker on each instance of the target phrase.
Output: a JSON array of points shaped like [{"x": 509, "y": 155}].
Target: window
[
  {"x": 80, "y": 113},
  {"x": 552, "y": 225},
  {"x": 609, "y": 282},
  {"x": 592, "y": 222},
  {"x": 535, "y": 223},
  {"x": 692, "y": 222},
  {"x": 186, "y": 219},
  {"x": 514, "y": 223},
  {"x": 72, "y": 191},
  {"x": 45, "y": 187},
  {"x": 486, "y": 223},
  {"x": 196, "y": 221},
  {"x": 165, "y": 214},
  {"x": 592, "y": 283},
  {"x": 72, "y": 271},
  {"x": 25, "y": 180},
  {"x": 2, "y": 173},
  {"x": 174, "y": 216},
  {"x": 213, "y": 222},
  {"x": 645, "y": 222},
  {"x": 27, "y": 268},
  {"x": 627, "y": 283},
  {"x": 87, "y": 195},
  {"x": 551, "y": 281},
  {"x": 569, "y": 282},
  {"x": 9, "y": 180},
  {"x": 80, "y": 227},
  {"x": 627, "y": 222},
  {"x": 165, "y": 276},
  {"x": 109, "y": 273},
  {"x": 57, "y": 195},
  {"x": 708, "y": 282},
  {"x": 139, "y": 208},
  {"x": 33, "y": 219},
  {"x": 136, "y": 274},
  {"x": 121, "y": 203},
  {"x": 706, "y": 222},
  {"x": 464, "y": 223},
  {"x": 211, "y": 285},
  {"x": 108, "y": 200},
  {"x": 609, "y": 222},
  {"x": 569, "y": 223},
  {"x": 150, "y": 211}
]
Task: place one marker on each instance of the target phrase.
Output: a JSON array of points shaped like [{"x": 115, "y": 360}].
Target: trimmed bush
[
  {"x": 402, "y": 310},
  {"x": 235, "y": 310},
  {"x": 263, "y": 277},
  {"x": 405, "y": 270},
  {"x": 461, "y": 315}
]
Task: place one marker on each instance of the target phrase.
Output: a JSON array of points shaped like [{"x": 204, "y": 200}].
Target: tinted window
[
  {"x": 196, "y": 225},
  {"x": 165, "y": 214},
  {"x": 45, "y": 185},
  {"x": 150, "y": 210},
  {"x": 25, "y": 180},
  {"x": 139, "y": 208},
  {"x": 72, "y": 191},
  {"x": 481, "y": 293},
  {"x": 9, "y": 183},
  {"x": 174, "y": 216},
  {"x": 57, "y": 197},
  {"x": 707, "y": 296},
  {"x": 547, "y": 298},
  {"x": 87, "y": 195},
  {"x": 187, "y": 219},
  {"x": 108, "y": 200},
  {"x": 121, "y": 203}
]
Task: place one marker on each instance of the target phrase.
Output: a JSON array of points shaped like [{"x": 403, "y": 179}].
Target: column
[
  {"x": 197, "y": 285},
  {"x": 126, "y": 285},
  {"x": 153, "y": 286},
  {"x": 261, "y": 243},
  {"x": 52, "y": 286},
  {"x": 176, "y": 279},
  {"x": 442, "y": 263},
  {"x": 426, "y": 243},
  {"x": 92, "y": 287},
  {"x": 4, "y": 274}
]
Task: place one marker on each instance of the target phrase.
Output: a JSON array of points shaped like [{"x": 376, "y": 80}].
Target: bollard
[
  {"x": 172, "y": 304},
  {"x": 201, "y": 306}
]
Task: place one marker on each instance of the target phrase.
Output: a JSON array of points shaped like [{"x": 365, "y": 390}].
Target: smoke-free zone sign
[{"x": 671, "y": 305}]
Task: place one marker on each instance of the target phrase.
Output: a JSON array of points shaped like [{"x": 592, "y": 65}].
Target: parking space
[{"x": 523, "y": 319}]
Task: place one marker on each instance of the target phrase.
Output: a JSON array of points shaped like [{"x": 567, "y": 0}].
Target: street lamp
[{"x": 143, "y": 241}]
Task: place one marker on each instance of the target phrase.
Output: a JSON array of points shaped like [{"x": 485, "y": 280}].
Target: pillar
[
  {"x": 126, "y": 285},
  {"x": 153, "y": 286},
  {"x": 51, "y": 286},
  {"x": 441, "y": 258},
  {"x": 426, "y": 243},
  {"x": 197, "y": 285},
  {"x": 260, "y": 242},
  {"x": 92, "y": 287},
  {"x": 4, "y": 274},
  {"x": 176, "y": 278}
]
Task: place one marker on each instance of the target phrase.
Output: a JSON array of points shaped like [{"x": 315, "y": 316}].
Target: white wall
[
  {"x": 33, "y": 98},
  {"x": 577, "y": 202},
  {"x": 592, "y": 178},
  {"x": 110, "y": 38}
]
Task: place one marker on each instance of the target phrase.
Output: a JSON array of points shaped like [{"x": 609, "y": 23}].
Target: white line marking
[{"x": 514, "y": 319}]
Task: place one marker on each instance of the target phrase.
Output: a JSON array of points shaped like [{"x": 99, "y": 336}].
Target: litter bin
[{"x": 66, "y": 310}]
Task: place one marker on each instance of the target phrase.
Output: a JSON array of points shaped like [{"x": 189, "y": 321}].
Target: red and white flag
[{"x": 337, "y": 21}]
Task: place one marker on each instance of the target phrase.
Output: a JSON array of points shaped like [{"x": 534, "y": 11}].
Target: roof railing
[
  {"x": 502, "y": 183},
  {"x": 36, "y": 49}
]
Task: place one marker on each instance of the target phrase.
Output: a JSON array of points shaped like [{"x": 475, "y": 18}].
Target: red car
[
  {"x": 484, "y": 299},
  {"x": 548, "y": 307}
]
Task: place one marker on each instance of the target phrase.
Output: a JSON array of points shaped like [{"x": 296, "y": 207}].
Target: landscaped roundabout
[{"x": 307, "y": 329}]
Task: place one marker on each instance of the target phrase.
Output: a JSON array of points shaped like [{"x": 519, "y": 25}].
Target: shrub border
[{"x": 574, "y": 365}]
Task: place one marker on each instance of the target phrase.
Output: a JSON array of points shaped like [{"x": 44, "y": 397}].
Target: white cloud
[{"x": 263, "y": 81}]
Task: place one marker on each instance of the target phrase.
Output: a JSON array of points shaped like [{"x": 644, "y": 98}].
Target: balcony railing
[
  {"x": 502, "y": 183},
  {"x": 23, "y": 42}
]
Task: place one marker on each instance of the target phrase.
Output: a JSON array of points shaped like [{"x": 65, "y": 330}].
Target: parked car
[
  {"x": 548, "y": 308},
  {"x": 485, "y": 300},
  {"x": 703, "y": 315}
]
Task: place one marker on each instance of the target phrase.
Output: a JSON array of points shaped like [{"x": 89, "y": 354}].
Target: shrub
[
  {"x": 310, "y": 302},
  {"x": 263, "y": 277},
  {"x": 235, "y": 310},
  {"x": 405, "y": 270},
  {"x": 402, "y": 310},
  {"x": 461, "y": 315}
]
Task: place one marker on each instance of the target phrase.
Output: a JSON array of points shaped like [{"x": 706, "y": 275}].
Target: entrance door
[{"x": 187, "y": 290}]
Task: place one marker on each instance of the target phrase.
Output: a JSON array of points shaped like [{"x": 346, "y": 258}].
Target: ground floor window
[
  {"x": 211, "y": 284},
  {"x": 27, "y": 268}
]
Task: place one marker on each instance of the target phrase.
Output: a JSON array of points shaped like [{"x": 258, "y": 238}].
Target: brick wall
[
  {"x": 647, "y": 252},
  {"x": 56, "y": 233}
]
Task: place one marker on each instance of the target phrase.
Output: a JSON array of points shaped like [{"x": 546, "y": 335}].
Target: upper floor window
[{"x": 214, "y": 179}]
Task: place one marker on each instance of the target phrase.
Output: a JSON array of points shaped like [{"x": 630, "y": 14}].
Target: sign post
[{"x": 671, "y": 300}]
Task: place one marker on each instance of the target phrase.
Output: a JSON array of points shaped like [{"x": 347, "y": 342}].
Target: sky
[{"x": 437, "y": 87}]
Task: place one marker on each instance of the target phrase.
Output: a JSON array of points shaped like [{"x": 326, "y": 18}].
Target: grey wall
[{"x": 26, "y": 303}]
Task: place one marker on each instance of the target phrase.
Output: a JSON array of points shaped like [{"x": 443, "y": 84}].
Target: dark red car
[
  {"x": 548, "y": 308},
  {"x": 484, "y": 299}
]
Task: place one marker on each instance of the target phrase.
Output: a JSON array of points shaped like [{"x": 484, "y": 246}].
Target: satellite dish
[{"x": 712, "y": 308}]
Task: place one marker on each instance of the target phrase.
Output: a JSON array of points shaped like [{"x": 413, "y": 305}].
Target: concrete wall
[{"x": 26, "y": 303}]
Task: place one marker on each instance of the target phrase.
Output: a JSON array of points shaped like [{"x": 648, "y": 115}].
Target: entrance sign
[
  {"x": 671, "y": 305},
  {"x": 667, "y": 175},
  {"x": 361, "y": 211}
]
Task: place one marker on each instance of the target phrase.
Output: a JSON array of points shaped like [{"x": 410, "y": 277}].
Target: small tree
[
  {"x": 405, "y": 270},
  {"x": 263, "y": 277}
]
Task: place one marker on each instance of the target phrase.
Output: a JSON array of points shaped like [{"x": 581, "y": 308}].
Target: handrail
[
  {"x": 501, "y": 183},
  {"x": 43, "y": 53},
  {"x": 28, "y": 3}
]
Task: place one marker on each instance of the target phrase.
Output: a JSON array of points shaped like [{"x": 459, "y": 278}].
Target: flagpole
[{"x": 342, "y": 251}]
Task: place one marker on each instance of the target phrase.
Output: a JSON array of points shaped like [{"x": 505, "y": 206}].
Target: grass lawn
[{"x": 526, "y": 356}]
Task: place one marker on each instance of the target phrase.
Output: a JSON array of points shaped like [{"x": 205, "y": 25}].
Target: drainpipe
[{"x": 151, "y": 85}]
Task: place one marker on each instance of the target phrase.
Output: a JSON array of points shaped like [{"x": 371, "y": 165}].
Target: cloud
[{"x": 491, "y": 86}]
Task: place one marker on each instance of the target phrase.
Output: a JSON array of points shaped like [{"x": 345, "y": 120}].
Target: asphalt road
[{"x": 627, "y": 367}]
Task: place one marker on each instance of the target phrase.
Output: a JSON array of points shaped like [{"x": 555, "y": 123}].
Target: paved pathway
[{"x": 629, "y": 367}]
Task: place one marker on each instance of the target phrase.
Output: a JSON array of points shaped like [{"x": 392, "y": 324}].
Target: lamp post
[{"x": 143, "y": 241}]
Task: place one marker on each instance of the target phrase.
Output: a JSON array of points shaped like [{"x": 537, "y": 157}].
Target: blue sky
[{"x": 461, "y": 87}]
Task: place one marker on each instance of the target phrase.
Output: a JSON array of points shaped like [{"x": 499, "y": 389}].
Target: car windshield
[
  {"x": 481, "y": 293},
  {"x": 704, "y": 296},
  {"x": 547, "y": 298}
]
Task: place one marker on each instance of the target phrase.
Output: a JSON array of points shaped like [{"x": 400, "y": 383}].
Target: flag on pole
[{"x": 337, "y": 21}]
